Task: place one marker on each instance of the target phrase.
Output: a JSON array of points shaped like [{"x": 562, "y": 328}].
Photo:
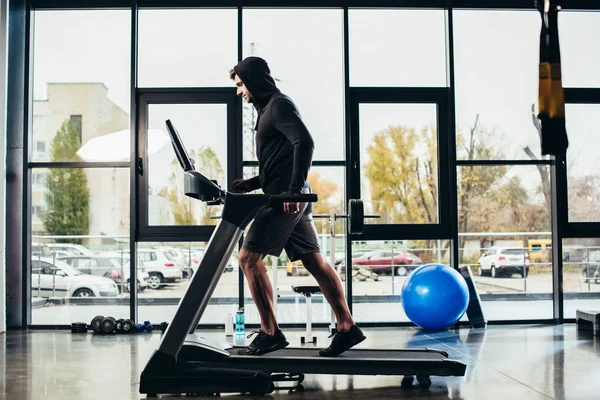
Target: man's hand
[
  {"x": 241, "y": 186},
  {"x": 291, "y": 208}
]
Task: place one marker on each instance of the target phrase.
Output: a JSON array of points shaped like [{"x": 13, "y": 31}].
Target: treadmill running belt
[
  {"x": 353, "y": 362},
  {"x": 354, "y": 353}
]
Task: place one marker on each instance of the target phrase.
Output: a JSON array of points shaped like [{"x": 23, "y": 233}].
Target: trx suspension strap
[{"x": 551, "y": 100}]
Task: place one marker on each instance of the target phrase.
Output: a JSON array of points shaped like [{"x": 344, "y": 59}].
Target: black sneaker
[
  {"x": 342, "y": 341},
  {"x": 264, "y": 343}
]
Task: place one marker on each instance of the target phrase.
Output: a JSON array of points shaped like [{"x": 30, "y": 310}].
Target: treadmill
[{"x": 186, "y": 364}]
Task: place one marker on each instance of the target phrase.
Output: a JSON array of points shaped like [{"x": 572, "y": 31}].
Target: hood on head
[{"x": 256, "y": 75}]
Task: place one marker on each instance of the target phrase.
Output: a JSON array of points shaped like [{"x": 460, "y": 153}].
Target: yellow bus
[{"x": 539, "y": 249}]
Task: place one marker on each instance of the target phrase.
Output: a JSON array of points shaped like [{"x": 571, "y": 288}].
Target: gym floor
[{"x": 503, "y": 362}]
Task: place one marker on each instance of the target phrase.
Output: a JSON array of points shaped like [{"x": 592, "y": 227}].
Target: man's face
[{"x": 242, "y": 90}]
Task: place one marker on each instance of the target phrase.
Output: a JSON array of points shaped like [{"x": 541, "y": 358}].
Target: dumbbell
[
  {"x": 101, "y": 324},
  {"x": 145, "y": 327},
  {"x": 125, "y": 325},
  {"x": 163, "y": 326},
  {"x": 108, "y": 325}
]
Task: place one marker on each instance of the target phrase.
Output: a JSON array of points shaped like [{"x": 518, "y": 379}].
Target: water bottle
[
  {"x": 239, "y": 322},
  {"x": 229, "y": 325}
]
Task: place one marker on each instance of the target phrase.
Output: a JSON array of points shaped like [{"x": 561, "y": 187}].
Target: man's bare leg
[
  {"x": 332, "y": 289},
  {"x": 260, "y": 288}
]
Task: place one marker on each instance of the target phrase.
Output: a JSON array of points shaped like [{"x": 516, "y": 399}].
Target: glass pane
[
  {"x": 170, "y": 267},
  {"x": 580, "y": 54},
  {"x": 379, "y": 270},
  {"x": 506, "y": 239},
  {"x": 203, "y": 130},
  {"x": 78, "y": 231},
  {"x": 186, "y": 47},
  {"x": 398, "y": 153},
  {"x": 313, "y": 81},
  {"x": 328, "y": 183},
  {"x": 496, "y": 62},
  {"x": 397, "y": 47},
  {"x": 582, "y": 162},
  {"x": 81, "y": 74},
  {"x": 581, "y": 275}
]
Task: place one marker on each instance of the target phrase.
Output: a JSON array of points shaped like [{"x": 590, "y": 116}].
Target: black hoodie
[{"x": 284, "y": 146}]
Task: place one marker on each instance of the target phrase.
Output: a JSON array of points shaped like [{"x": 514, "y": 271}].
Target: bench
[
  {"x": 307, "y": 291},
  {"x": 587, "y": 319}
]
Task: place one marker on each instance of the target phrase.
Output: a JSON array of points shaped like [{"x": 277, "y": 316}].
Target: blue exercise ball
[{"x": 435, "y": 296}]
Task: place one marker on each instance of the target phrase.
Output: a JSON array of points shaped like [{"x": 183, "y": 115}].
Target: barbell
[{"x": 356, "y": 216}]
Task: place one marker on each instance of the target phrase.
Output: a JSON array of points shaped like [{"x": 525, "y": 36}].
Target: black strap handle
[{"x": 295, "y": 198}]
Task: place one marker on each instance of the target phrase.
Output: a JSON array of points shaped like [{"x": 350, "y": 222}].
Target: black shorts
[{"x": 274, "y": 230}]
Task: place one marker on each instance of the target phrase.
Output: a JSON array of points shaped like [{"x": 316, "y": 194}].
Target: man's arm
[
  {"x": 245, "y": 185},
  {"x": 253, "y": 183},
  {"x": 288, "y": 121}
]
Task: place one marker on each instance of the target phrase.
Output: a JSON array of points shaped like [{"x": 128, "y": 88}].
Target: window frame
[
  {"x": 437, "y": 96},
  {"x": 145, "y": 97}
]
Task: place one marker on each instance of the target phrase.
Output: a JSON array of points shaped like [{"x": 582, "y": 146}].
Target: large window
[
  {"x": 328, "y": 183},
  {"x": 81, "y": 85},
  {"x": 203, "y": 130},
  {"x": 169, "y": 268},
  {"x": 581, "y": 274},
  {"x": 394, "y": 111},
  {"x": 397, "y": 48},
  {"x": 379, "y": 270},
  {"x": 186, "y": 48},
  {"x": 399, "y": 162},
  {"x": 579, "y": 54},
  {"x": 505, "y": 237},
  {"x": 80, "y": 244},
  {"x": 496, "y": 57},
  {"x": 304, "y": 51},
  {"x": 80, "y": 216},
  {"x": 582, "y": 162}
]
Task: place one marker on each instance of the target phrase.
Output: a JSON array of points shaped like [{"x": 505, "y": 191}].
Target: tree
[
  {"x": 68, "y": 195},
  {"x": 402, "y": 184},
  {"x": 474, "y": 182},
  {"x": 543, "y": 170},
  {"x": 583, "y": 198},
  {"x": 326, "y": 190},
  {"x": 184, "y": 208}
]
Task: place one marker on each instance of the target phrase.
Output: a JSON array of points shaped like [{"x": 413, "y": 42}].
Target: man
[{"x": 284, "y": 148}]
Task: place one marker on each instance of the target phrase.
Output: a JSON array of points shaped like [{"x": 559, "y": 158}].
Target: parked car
[
  {"x": 70, "y": 249},
  {"x": 58, "y": 279},
  {"x": 195, "y": 256},
  {"x": 400, "y": 262},
  {"x": 40, "y": 249},
  {"x": 109, "y": 265},
  {"x": 504, "y": 261},
  {"x": 162, "y": 267},
  {"x": 591, "y": 269},
  {"x": 180, "y": 258}
]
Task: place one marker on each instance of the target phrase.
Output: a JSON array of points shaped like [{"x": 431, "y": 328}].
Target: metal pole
[
  {"x": 332, "y": 326},
  {"x": 17, "y": 89},
  {"x": 275, "y": 288}
]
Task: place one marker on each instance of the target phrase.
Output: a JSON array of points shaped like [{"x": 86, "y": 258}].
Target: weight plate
[
  {"x": 96, "y": 322},
  {"x": 127, "y": 326},
  {"x": 356, "y": 216},
  {"x": 108, "y": 324},
  {"x": 78, "y": 327}
]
